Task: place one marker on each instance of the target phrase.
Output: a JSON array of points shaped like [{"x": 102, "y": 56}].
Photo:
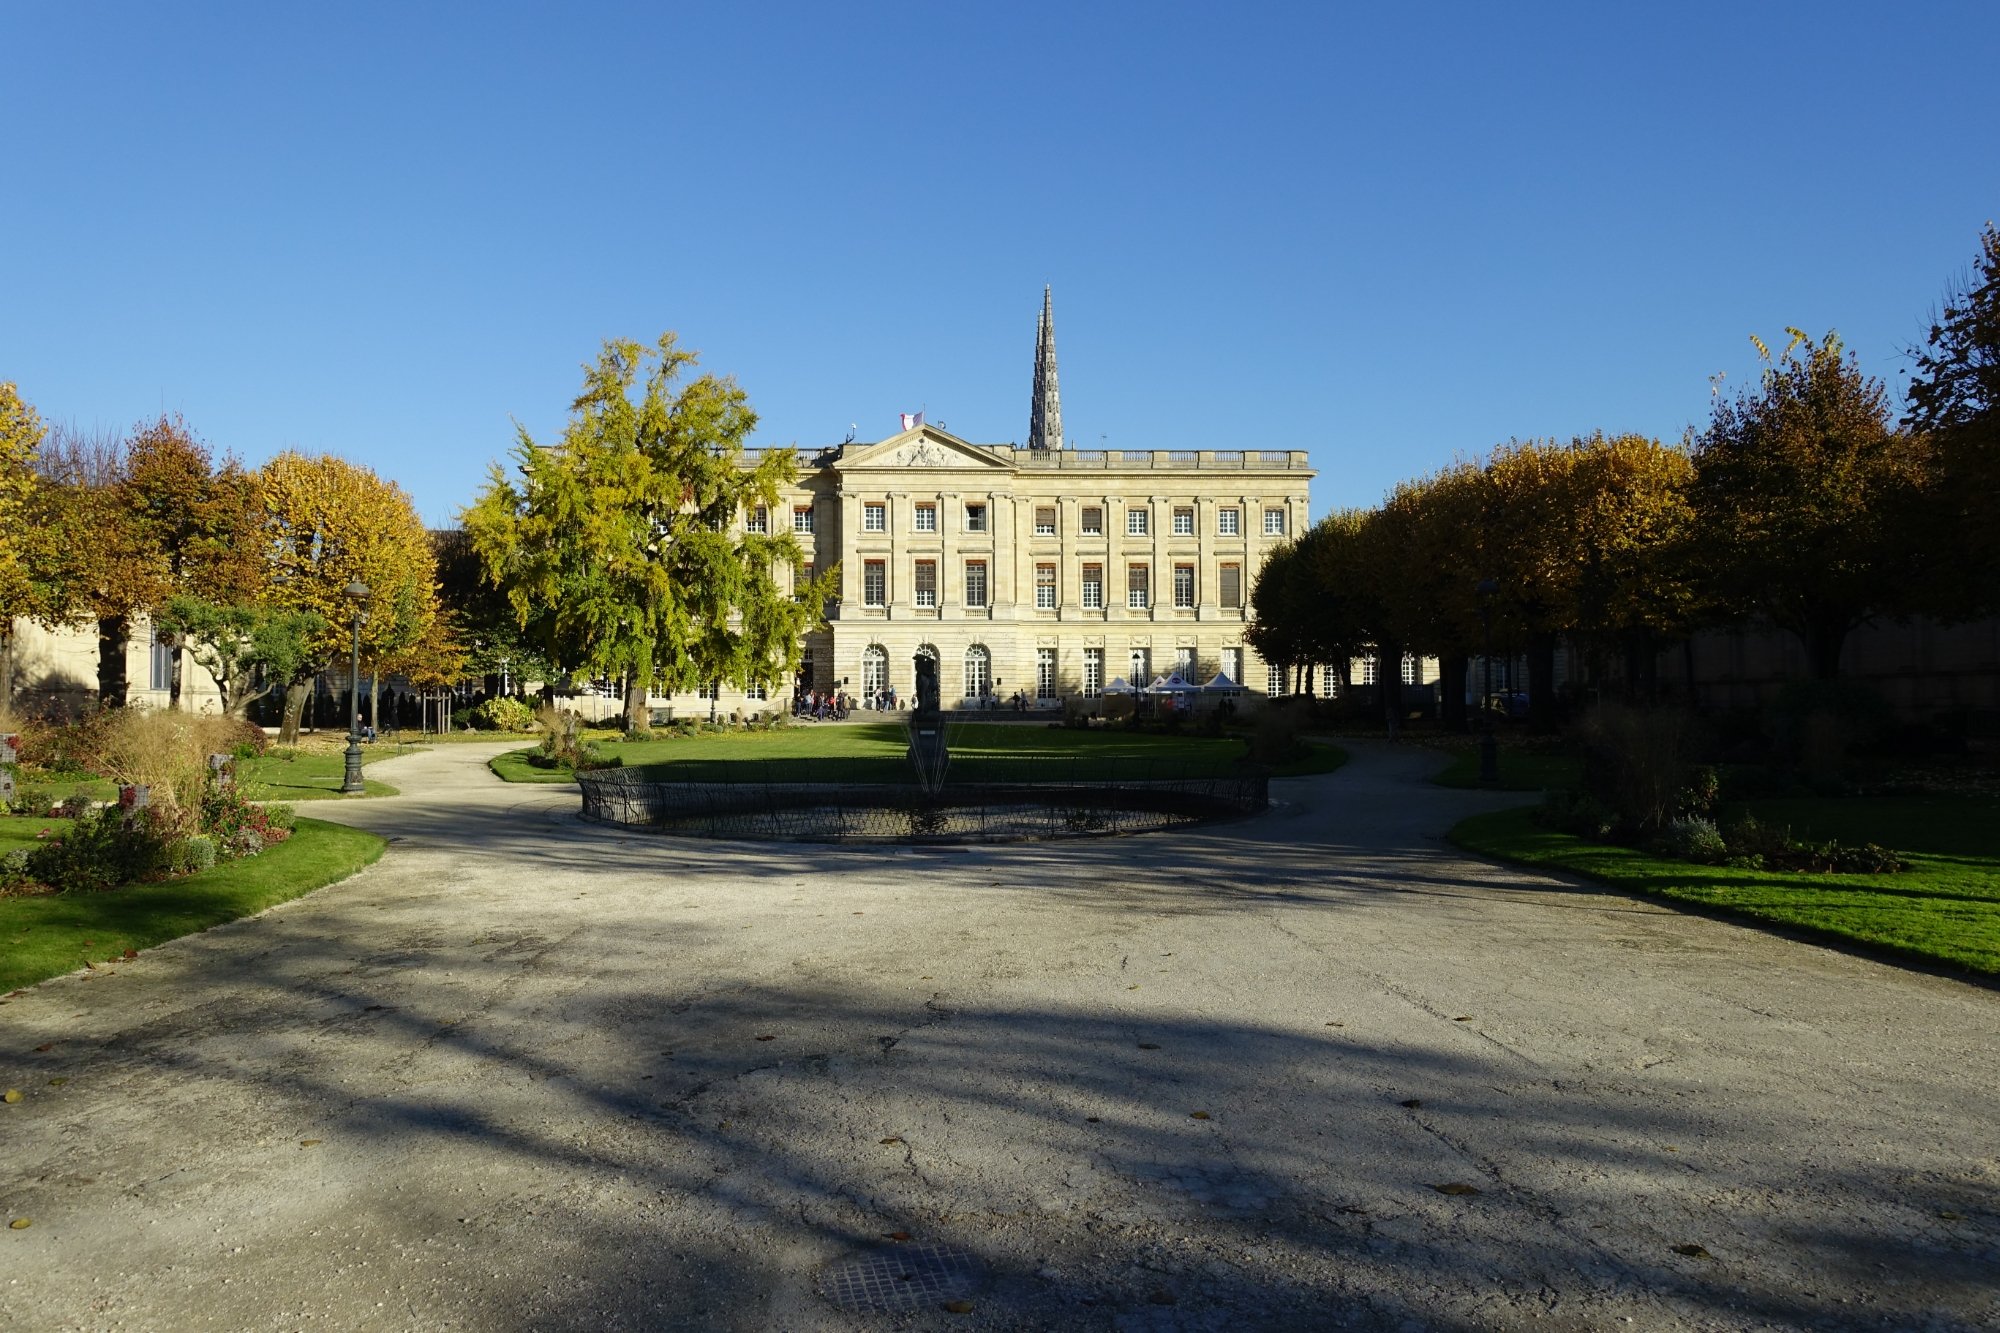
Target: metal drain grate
[{"x": 909, "y": 1276}]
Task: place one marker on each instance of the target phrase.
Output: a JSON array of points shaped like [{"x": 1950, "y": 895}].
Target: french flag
[{"x": 912, "y": 420}]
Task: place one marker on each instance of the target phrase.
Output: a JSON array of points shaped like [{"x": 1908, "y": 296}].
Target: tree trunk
[
  {"x": 1827, "y": 636},
  {"x": 1542, "y": 683},
  {"x": 113, "y": 686},
  {"x": 7, "y": 665},
  {"x": 296, "y": 695},
  {"x": 635, "y": 705},
  {"x": 174, "y": 681},
  {"x": 1452, "y": 671},
  {"x": 1389, "y": 685},
  {"x": 375, "y": 701}
]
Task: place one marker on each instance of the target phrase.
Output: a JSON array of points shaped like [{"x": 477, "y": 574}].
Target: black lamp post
[
  {"x": 1489, "y": 748},
  {"x": 352, "y": 785}
]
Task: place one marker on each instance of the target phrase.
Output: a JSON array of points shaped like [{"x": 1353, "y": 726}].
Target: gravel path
[{"x": 530, "y": 1073}]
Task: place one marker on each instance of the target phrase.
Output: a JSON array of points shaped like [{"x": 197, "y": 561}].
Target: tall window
[
  {"x": 1274, "y": 679},
  {"x": 1184, "y": 664},
  {"x": 756, "y": 692},
  {"x": 1410, "y": 669},
  {"x": 1184, "y": 522},
  {"x": 1368, "y": 669},
  {"x": 1093, "y": 587},
  {"x": 801, "y": 580},
  {"x": 975, "y": 583},
  {"x": 1045, "y": 587},
  {"x": 975, "y": 518},
  {"x": 802, "y": 518},
  {"x": 1184, "y": 587},
  {"x": 874, "y": 518},
  {"x": 806, "y": 677},
  {"x": 1329, "y": 681},
  {"x": 1136, "y": 519},
  {"x": 1138, "y": 587},
  {"x": 874, "y": 670},
  {"x": 1045, "y": 673},
  {"x": 926, "y": 518},
  {"x": 978, "y": 672},
  {"x": 926, "y": 583},
  {"x": 1093, "y": 672},
  {"x": 759, "y": 520},
  {"x": 162, "y": 660},
  {"x": 1045, "y": 522},
  {"x": 874, "y": 583},
  {"x": 1232, "y": 664},
  {"x": 1232, "y": 589},
  {"x": 1141, "y": 667},
  {"x": 1229, "y": 522},
  {"x": 1274, "y": 522},
  {"x": 1091, "y": 520}
]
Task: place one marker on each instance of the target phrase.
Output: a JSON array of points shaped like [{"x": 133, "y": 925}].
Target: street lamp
[
  {"x": 352, "y": 785},
  {"x": 1489, "y": 748}
]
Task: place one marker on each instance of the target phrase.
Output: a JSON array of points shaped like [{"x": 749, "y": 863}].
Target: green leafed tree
[
  {"x": 619, "y": 547},
  {"x": 247, "y": 650}
]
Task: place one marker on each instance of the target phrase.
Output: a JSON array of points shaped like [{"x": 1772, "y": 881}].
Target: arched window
[
  {"x": 978, "y": 672},
  {"x": 874, "y": 670}
]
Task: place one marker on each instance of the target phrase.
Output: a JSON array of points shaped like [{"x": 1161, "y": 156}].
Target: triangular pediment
[{"x": 920, "y": 447}]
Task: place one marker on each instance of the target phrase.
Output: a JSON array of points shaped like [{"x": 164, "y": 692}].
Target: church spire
[{"x": 1045, "y": 415}]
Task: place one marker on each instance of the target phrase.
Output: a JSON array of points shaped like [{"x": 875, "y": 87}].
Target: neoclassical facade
[{"x": 1042, "y": 571}]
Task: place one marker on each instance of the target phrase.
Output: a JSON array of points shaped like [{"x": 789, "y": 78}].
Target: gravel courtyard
[{"x": 531, "y": 1073}]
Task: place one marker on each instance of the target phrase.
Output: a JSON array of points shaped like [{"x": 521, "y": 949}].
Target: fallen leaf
[
  {"x": 926, "y": 978},
  {"x": 1336, "y": 1025},
  {"x": 893, "y": 1138},
  {"x": 1131, "y": 988},
  {"x": 45, "y": 1046},
  {"x": 1692, "y": 1251},
  {"x": 1092, "y": 1120},
  {"x": 1413, "y": 1103},
  {"x": 20, "y": 1224},
  {"x": 1949, "y": 1216},
  {"x": 1199, "y": 1115},
  {"x": 896, "y": 1235},
  {"x": 1149, "y": 1046},
  {"x": 311, "y": 1143},
  {"x": 1463, "y": 1018},
  {"x": 131, "y": 953},
  {"x": 89, "y": 965},
  {"x": 768, "y": 1036},
  {"x": 11, "y": 1096},
  {"x": 861, "y": 914},
  {"x": 58, "y": 1081},
  {"x": 958, "y": 1307},
  {"x": 1456, "y": 1187}
]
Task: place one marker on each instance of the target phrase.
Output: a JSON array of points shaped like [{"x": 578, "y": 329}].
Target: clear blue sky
[{"x": 1386, "y": 235}]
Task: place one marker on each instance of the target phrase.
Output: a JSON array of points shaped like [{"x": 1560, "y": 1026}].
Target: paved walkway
[{"x": 528, "y": 1073}]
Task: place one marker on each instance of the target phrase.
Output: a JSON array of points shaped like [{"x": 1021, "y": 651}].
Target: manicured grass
[
  {"x": 311, "y": 775},
  {"x": 874, "y": 752},
  {"x": 46, "y": 936},
  {"x": 60, "y": 787},
  {"x": 1954, "y": 825},
  {"x": 1520, "y": 770},
  {"x": 1944, "y": 909},
  {"x": 25, "y": 831}
]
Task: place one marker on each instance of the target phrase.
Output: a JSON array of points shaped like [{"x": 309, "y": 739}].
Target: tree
[
  {"x": 21, "y": 435},
  {"x": 329, "y": 522},
  {"x": 1426, "y": 557},
  {"x": 1954, "y": 400},
  {"x": 620, "y": 548},
  {"x": 248, "y": 651},
  {"x": 1798, "y": 488}
]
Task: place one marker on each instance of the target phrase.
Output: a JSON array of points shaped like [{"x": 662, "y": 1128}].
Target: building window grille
[
  {"x": 1184, "y": 664},
  {"x": 1093, "y": 672},
  {"x": 874, "y": 583},
  {"x": 758, "y": 693},
  {"x": 1136, "y": 521},
  {"x": 1274, "y": 679},
  {"x": 874, "y": 518},
  {"x": 1184, "y": 587},
  {"x": 1045, "y": 587},
  {"x": 874, "y": 670},
  {"x": 926, "y": 583},
  {"x": 1274, "y": 522},
  {"x": 975, "y": 583},
  {"x": 1232, "y": 664},
  {"x": 162, "y": 662},
  {"x": 1093, "y": 587},
  {"x": 1045, "y": 673},
  {"x": 1229, "y": 522},
  {"x": 1329, "y": 681},
  {"x": 975, "y": 518},
  {"x": 1232, "y": 588},
  {"x": 1141, "y": 667},
  {"x": 1045, "y": 522},
  {"x": 1183, "y": 522},
  {"x": 926, "y": 518},
  {"x": 978, "y": 672},
  {"x": 1092, "y": 521},
  {"x": 1138, "y": 588},
  {"x": 759, "y": 520},
  {"x": 802, "y": 518}
]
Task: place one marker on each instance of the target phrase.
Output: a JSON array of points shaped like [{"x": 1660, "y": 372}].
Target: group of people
[{"x": 821, "y": 706}]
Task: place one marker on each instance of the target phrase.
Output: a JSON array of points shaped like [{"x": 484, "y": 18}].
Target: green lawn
[
  {"x": 874, "y": 752},
  {"x": 1945, "y": 908},
  {"x": 311, "y": 776},
  {"x": 22, "y": 831},
  {"x": 45, "y": 936},
  {"x": 1520, "y": 770}
]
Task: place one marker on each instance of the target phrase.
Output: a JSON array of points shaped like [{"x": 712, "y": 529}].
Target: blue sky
[{"x": 1387, "y": 235}]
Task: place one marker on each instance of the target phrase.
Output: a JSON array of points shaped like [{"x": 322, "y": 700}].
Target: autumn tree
[
  {"x": 619, "y": 546},
  {"x": 1423, "y": 558},
  {"x": 329, "y": 523},
  {"x": 1801, "y": 493},
  {"x": 21, "y": 434},
  {"x": 1954, "y": 401}
]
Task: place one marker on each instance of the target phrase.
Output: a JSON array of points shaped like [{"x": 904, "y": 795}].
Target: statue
[
  {"x": 927, "y": 752},
  {"x": 927, "y": 683}
]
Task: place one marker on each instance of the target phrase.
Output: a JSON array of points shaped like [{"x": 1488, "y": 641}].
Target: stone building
[{"x": 1037, "y": 569}]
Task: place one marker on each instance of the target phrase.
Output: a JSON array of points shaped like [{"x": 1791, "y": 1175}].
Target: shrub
[
  {"x": 224, "y": 814},
  {"x": 561, "y": 728},
  {"x": 1639, "y": 763},
  {"x": 1578, "y": 813},
  {"x": 281, "y": 816},
  {"x": 1274, "y": 735},
  {"x": 503, "y": 714},
  {"x": 191, "y": 855},
  {"x": 73, "y": 807},
  {"x": 1835, "y": 858},
  {"x": 245, "y": 841},
  {"x": 100, "y": 851},
  {"x": 1692, "y": 838},
  {"x": 166, "y": 752},
  {"x": 33, "y": 801},
  {"x": 591, "y": 757},
  {"x": 14, "y": 870},
  {"x": 1819, "y": 724}
]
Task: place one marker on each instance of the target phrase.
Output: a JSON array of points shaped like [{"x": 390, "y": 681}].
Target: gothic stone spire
[{"x": 1045, "y": 414}]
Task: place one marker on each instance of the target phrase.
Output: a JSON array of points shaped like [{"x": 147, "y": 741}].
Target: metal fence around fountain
[{"x": 877, "y": 800}]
